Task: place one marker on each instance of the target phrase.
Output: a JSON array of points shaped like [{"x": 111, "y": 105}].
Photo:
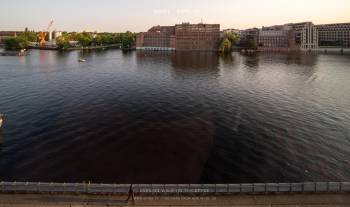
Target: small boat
[
  {"x": 81, "y": 60},
  {"x": 1, "y": 120}
]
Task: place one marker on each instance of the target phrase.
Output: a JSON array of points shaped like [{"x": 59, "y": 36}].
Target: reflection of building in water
[{"x": 199, "y": 60}]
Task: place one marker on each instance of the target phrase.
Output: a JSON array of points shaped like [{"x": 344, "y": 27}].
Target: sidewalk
[{"x": 285, "y": 200}]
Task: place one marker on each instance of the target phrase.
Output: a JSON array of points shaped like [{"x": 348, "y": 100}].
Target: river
[{"x": 160, "y": 117}]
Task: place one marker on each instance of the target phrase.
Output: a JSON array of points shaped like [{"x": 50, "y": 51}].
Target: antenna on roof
[{"x": 201, "y": 21}]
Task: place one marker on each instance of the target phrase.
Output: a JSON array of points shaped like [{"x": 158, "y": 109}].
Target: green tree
[
  {"x": 62, "y": 42},
  {"x": 251, "y": 44},
  {"x": 232, "y": 37},
  {"x": 85, "y": 39},
  {"x": 30, "y": 36},
  {"x": 16, "y": 43},
  {"x": 225, "y": 46},
  {"x": 127, "y": 40},
  {"x": 97, "y": 40}
]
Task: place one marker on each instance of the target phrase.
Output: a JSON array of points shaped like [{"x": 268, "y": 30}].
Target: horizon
[{"x": 104, "y": 15}]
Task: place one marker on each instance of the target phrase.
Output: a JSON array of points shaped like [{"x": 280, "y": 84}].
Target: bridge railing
[{"x": 155, "y": 189}]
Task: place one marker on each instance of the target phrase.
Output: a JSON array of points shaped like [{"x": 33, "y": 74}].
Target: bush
[{"x": 16, "y": 43}]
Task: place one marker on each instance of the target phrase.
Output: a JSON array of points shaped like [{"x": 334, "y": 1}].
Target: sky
[{"x": 140, "y": 15}]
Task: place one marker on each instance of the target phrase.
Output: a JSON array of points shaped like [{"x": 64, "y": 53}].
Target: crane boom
[{"x": 50, "y": 25}]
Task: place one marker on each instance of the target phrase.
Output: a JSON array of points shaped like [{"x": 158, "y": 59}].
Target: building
[
  {"x": 194, "y": 37},
  {"x": 197, "y": 37},
  {"x": 309, "y": 37},
  {"x": 292, "y": 36},
  {"x": 277, "y": 38},
  {"x": 334, "y": 35},
  {"x": 7, "y": 34},
  {"x": 157, "y": 38},
  {"x": 249, "y": 38}
]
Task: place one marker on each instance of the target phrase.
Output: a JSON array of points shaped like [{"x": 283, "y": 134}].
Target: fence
[{"x": 155, "y": 189}]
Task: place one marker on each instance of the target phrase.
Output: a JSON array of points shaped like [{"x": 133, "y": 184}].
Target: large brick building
[
  {"x": 197, "y": 37},
  {"x": 194, "y": 37},
  {"x": 157, "y": 38}
]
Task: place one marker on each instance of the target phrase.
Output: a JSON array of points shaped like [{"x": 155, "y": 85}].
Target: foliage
[
  {"x": 30, "y": 36},
  {"x": 227, "y": 41},
  {"x": 251, "y": 44},
  {"x": 92, "y": 39},
  {"x": 127, "y": 39},
  {"x": 16, "y": 43},
  {"x": 225, "y": 46},
  {"x": 62, "y": 42},
  {"x": 232, "y": 37}
]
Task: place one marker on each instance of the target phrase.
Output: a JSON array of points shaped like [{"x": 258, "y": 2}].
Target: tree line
[{"x": 84, "y": 39}]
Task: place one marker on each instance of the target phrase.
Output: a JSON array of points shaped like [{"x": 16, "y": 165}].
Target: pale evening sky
[{"x": 139, "y": 15}]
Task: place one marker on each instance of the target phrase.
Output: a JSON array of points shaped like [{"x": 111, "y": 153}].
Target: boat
[
  {"x": 81, "y": 60},
  {"x": 1, "y": 119}
]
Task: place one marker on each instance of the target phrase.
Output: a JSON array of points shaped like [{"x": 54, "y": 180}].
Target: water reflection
[{"x": 195, "y": 60}]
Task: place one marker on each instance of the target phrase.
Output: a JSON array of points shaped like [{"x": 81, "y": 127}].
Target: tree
[
  {"x": 30, "y": 36},
  {"x": 85, "y": 39},
  {"x": 16, "y": 43},
  {"x": 62, "y": 42},
  {"x": 97, "y": 40},
  {"x": 127, "y": 40},
  {"x": 225, "y": 46},
  {"x": 232, "y": 37},
  {"x": 251, "y": 44}
]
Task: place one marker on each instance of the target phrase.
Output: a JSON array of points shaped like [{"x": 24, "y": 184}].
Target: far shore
[{"x": 76, "y": 48}]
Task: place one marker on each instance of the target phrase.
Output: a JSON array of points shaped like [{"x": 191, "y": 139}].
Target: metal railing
[{"x": 152, "y": 189}]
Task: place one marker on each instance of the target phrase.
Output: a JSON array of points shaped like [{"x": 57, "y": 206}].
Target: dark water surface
[{"x": 175, "y": 117}]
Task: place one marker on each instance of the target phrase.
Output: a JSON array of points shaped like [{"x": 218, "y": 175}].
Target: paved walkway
[{"x": 292, "y": 200}]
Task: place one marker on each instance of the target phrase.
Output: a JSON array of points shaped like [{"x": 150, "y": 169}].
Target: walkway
[{"x": 241, "y": 200}]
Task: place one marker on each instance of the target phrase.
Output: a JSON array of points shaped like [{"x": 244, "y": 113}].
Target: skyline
[{"x": 139, "y": 15}]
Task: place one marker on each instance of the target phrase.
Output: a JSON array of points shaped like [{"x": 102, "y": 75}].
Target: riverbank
[
  {"x": 75, "y": 48},
  {"x": 270, "y": 200},
  {"x": 93, "y": 47}
]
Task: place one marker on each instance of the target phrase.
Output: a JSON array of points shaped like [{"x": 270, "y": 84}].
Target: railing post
[
  {"x": 315, "y": 186},
  {"x": 340, "y": 187},
  {"x": 240, "y": 188},
  {"x": 15, "y": 186},
  {"x": 265, "y": 186},
  {"x": 327, "y": 186}
]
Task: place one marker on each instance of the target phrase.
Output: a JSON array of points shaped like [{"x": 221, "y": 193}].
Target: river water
[{"x": 157, "y": 117}]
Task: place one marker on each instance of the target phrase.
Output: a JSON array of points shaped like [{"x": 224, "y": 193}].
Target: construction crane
[{"x": 42, "y": 34}]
